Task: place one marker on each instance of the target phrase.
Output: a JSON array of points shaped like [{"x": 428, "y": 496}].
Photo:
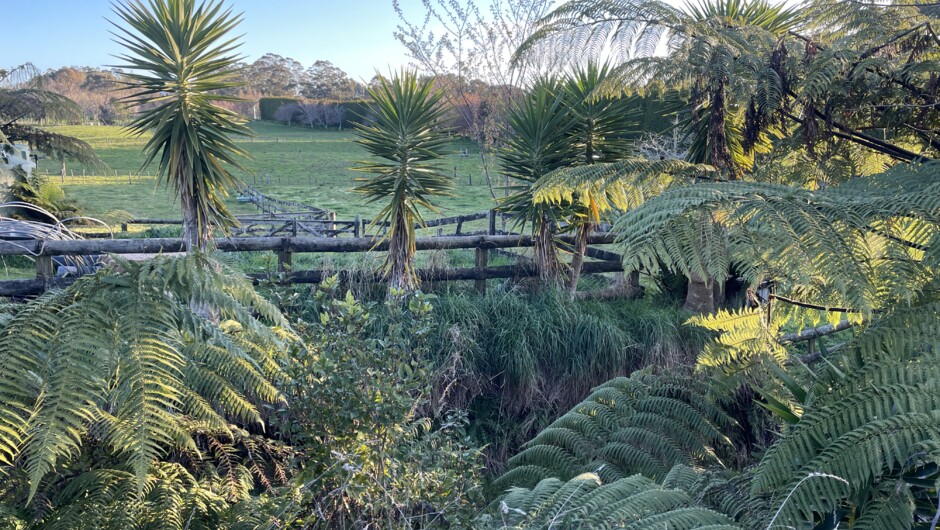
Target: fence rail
[
  {"x": 306, "y": 223},
  {"x": 285, "y": 247},
  {"x": 271, "y": 205}
]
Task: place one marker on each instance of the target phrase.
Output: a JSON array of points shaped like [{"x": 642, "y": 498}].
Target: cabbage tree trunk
[
  {"x": 401, "y": 254},
  {"x": 546, "y": 259},
  {"x": 577, "y": 259}
]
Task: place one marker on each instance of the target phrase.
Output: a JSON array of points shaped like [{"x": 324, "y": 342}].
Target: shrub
[{"x": 372, "y": 452}]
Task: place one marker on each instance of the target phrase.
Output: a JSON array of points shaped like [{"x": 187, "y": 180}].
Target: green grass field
[{"x": 290, "y": 163}]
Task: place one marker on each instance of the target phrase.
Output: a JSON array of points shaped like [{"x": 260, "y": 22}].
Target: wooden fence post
[
  {"x": 284, "y": 258},
  {"x": 123, "y": 227},
  {"x": 45, "y": 270},
  {"x": 356, "y": 226},
  {"x": 491, "y": 230},
  {"x": 482, "y": 258}
]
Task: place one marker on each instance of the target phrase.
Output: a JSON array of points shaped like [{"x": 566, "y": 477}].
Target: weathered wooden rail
[
  {"x": 285, "y": 247},
  {"x": 309, "y": 223}
]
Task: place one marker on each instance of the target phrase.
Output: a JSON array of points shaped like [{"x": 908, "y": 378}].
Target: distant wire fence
[{"x": 271, "y": 205}]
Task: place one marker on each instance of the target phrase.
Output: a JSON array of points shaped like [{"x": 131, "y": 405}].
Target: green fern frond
[
  {"x": 130, "y": 351},
  {"x": 585, "y": 501},
  {"x": 642, "y": 424},
  {"x": 621, "y": 185}
]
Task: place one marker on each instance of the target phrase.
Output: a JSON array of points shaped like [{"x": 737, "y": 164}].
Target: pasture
[{"x": 290, "y": 163}]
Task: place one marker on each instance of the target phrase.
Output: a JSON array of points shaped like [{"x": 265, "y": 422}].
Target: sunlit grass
[{"x": 290, "y": 163}]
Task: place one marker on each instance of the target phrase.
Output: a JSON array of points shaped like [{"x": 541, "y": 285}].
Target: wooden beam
[
  {"x": 285, "y": 244},
  {"x": 18, "y": 288}
]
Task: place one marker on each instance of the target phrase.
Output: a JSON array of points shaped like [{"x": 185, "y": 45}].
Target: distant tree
[
  {"x": 287, "y": 114},
  {"x": 323, "y": 80},
  {"x": 464, "y": 43},
  {"x": 273, "y": 75},
  {"x": 24, "y": 98}
]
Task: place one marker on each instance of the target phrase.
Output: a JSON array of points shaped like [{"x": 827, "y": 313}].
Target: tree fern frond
[
  {"x": 621, "y": 185},
  {"x": 642, "y": 424},
  {"x": 128, "y": 351},
  {"x": 585, "y": 501}
]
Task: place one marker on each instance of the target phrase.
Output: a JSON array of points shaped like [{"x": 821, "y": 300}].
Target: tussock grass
[{"x": 516, "y": 361}]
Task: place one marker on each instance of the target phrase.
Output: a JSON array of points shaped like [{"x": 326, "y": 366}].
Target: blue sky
[{"x": 355, "y": 35}]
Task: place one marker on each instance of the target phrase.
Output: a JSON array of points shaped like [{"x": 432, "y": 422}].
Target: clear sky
[{"x": 355, "y": 35}]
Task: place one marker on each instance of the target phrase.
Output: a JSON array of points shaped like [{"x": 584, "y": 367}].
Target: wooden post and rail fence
[{"x": 297, "y": 232}]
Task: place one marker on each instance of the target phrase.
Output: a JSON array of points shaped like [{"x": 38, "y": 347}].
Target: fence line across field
[
  {"x": 43, "y": 252},
  {"x": 301, "y": 221}
]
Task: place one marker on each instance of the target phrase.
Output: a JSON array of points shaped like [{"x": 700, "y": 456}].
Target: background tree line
[{"x": 271, "y": 75}]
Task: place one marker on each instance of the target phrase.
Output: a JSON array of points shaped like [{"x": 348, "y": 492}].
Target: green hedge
[{"x": 267, "y": 107}]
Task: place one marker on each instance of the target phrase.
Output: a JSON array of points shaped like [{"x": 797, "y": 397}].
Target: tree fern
[
  {"x": 642, "y": 424},
  {"x": 863, "y": 250},
  {"x": 585, "y": 501},
  {"x": 872, "y": 425},
  {"x": 124, "y": 354}
]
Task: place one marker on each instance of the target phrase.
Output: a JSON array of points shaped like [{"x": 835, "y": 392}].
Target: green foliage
[
  {"x": 179, "y": 56},
  {"x": 863, "y": 249},
  {"x": 267, "y": 106},
  {"x": 405, "y": 135},
  {"x": 120, "y": 357},
  {"x": 585, "y": 501},
  {"x": 172, "y": 498},
  {"x": 375, "y": 450},
  {"x": 537, "y": 144},
  {"x": 516, "y": 361},
  {"x": 40, "y": 191},
  {"x": 641, "y": 424},
  {"x": 863, "y": 447}
]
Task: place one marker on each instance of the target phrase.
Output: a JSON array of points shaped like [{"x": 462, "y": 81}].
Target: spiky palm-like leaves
[
  {"x": 406, "y": 136},
  {"x": 119, "y": 357},
  {"x": 537, "y": 144},
  {"x": 599, "y": 134},
  {"x": 179, "y": 55}
]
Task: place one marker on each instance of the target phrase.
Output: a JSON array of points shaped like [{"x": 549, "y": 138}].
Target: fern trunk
[
  {"x": 701, "y": 295},
  {"x": 629, "y": 284}
]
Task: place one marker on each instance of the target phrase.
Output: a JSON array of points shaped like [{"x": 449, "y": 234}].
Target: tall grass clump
[{"x": 516, "y": 360}]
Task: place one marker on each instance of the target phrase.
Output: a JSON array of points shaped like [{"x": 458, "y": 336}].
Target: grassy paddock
[{"x": 289, "y": 163}]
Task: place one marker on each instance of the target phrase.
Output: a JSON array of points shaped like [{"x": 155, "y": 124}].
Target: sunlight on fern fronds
[{"x": 127, "y": 353}]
